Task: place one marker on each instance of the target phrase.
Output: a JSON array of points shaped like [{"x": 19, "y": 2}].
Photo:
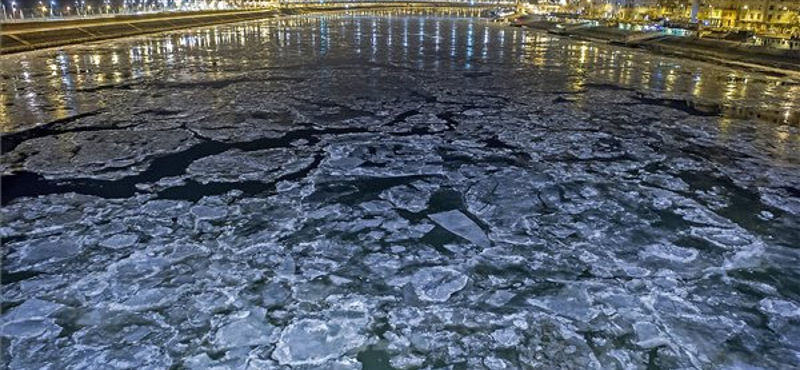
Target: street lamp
[
  {"x": 52, "y": 6},
  {"x": 13, "y": 8}
]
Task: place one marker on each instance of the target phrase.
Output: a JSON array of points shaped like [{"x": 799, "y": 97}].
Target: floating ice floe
[
  {"x": 437, "y": 284},
  {"x": 313, "y": 341},
  {"x": 247, "y": 329},
  {"x": 458, "y": 223},
  {"x": 31, "y": 319},
  {"x": 407, "y": 198}
]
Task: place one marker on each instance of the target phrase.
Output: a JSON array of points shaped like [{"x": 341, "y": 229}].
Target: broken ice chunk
[
  {"x": 313, "y": 342},
  {"x": 252, "y": 330},
  {"x": 409, "y": 361},
  {"x": 472, "y": 113},
  {"x": 495, "y": 363},
  {"x": 120, "y": 241},
  {"x": 150, "y": 299},
  {"x": 30, "y": 319},
  {"x": 114, "y": 153},
  {"x": 648, "y": 335},
  {"x": 437, "y": 284},
  {"x": 499, "y": 298},
  {"x": 669, "y": 252},
  {"x": 407, "y": 198},
  {"x": 48, "y": 250},
  {"x": 574, "y": 303},
  {"x": 779, "y": 307},
  {"x": 275, "y": 294},
  {"x": 238, "y": 165},
  {"x": 208, "y": 212},
  {"x": 506, "y": 337},
  {"x": 458, "y": 223},
  {"x": 343, "y": 364},
  {"x": 287, "y": 268},
  {"x": 30, "y": 328},
  {"x": 33, "y": 308}
]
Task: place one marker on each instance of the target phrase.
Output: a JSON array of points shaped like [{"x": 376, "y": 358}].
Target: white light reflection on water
[{"x": 32, "y": 101}]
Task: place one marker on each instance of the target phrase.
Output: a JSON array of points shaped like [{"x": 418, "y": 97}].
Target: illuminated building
[{"x": 762, "y": 16}]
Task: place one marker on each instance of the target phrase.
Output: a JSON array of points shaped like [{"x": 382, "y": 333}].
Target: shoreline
[
  {"x": 51, "y": 34},
  {"x": 770, "y": 61}
]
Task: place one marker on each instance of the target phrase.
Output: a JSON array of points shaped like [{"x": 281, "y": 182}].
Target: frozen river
[{"x": 394, "y": 191}]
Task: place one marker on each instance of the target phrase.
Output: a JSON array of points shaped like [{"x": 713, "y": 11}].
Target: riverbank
[
  {"x": 725, "y": 52},
  {"x": 731, "y": 53},
  {"x": 20, "y": 37}
]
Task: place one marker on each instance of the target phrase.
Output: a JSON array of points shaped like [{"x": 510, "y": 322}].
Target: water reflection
[{"x": 47, "y": 85}]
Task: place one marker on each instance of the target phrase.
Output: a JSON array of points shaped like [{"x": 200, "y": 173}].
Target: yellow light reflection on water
[{"x": 419, "y": 38}]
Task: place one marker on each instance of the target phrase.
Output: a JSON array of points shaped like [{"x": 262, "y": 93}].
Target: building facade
[{"x": 762, "y": 16}]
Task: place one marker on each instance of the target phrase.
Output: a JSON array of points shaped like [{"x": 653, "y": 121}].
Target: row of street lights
[
  {"x": 42, "y": 10},
  {"x": 80, "y": 8},
  {"x": 13, "y": 10}
]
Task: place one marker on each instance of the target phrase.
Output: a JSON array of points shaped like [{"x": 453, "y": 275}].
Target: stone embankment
[
  {"x": 716, "y": 51},
  {"x": 17, "y": 37}
]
